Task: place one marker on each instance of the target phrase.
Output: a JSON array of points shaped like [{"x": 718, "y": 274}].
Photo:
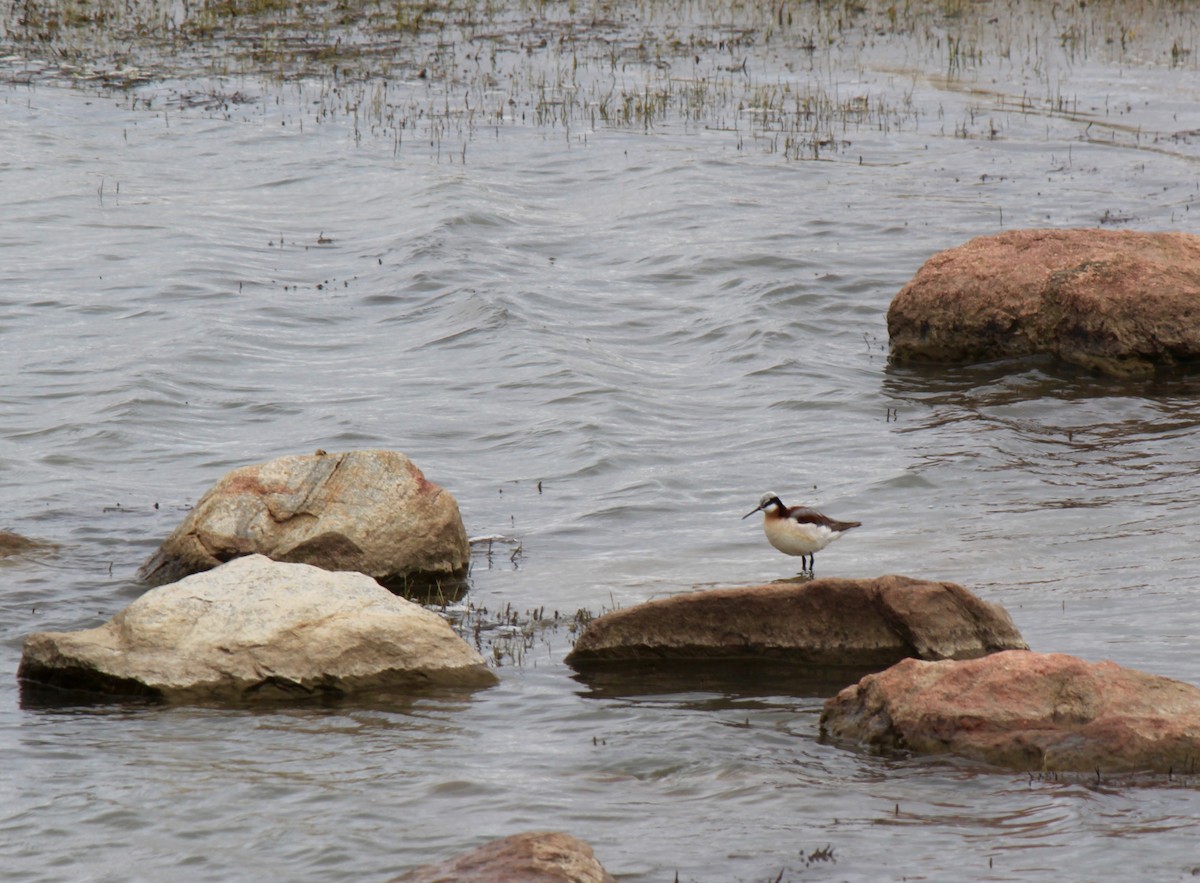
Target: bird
[{"x": 798, "y": 530}]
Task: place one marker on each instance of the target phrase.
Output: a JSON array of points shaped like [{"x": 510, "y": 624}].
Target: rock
[
  {"x": 534, "y": 857},
  {"x": 12, "y": 544},
  {"x": 369, "y": 511},
  {"x": 822, "y": 622},
  {"x": 255, "y": 628},
  {"x": 1118, "y": 302},
  {"x": 1025, "y": 711}
]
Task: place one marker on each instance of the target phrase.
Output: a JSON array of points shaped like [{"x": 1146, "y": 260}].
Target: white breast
[{"x": 797, "y": 539}]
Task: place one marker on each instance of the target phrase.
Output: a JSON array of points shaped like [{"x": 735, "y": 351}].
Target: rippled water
[{"x": 606, "y": 340}]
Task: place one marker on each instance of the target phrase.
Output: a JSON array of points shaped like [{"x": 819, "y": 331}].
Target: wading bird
[{"x": 798, "y": 530}]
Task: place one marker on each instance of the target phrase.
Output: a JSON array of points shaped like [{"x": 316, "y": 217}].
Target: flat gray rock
[{"x": 856, "y": 623}]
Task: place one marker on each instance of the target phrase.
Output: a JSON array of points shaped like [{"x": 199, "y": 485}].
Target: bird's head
[{"x": 769, "y": 503}]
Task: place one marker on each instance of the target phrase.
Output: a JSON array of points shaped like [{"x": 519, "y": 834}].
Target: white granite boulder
[
  {"x": 369, "y": 511},
  {"x": 256, "y": 628}
]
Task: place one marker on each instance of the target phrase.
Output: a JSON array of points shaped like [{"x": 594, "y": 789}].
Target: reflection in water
[
  {"x": 1086, "y": 441},
  {"x": 732, "y": 679}
]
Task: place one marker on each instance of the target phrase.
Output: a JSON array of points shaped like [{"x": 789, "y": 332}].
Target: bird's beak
[{"x": 751, "y": 512}]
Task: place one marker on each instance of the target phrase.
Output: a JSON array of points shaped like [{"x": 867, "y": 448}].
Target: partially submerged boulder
[
  {"x": 854, "y": 623},
  {"x": 1119, "y": 302},
  {"x": 533, "y": 857},
  {"x": 256, "y": 628},
  {"x": 369, "y": 511},
  {"x": 1025, "y": 711}
]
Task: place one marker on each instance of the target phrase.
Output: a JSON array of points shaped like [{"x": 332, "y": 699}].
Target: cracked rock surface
[{"x": 369, "y": 511}]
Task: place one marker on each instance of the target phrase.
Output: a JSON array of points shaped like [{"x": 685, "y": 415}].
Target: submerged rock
[
  {"x": 369, "y": 511},
  {"x": 1025, "y": 711},
  {"x": 255, "y": 628},
  {"x": 12, "y": 544},
  {"x": 1119, "y": 302},
  {"x": 533, "y": 857},
  {"x": 869, "y": 623}
]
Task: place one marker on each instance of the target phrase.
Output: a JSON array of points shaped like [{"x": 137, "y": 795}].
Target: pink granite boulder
[
  {"x": 1025, "y": 711},
  {"x": 1118, "y": 302}
]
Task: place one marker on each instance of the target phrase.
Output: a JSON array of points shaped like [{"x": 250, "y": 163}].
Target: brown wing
[{"x": 805, "y": 515}]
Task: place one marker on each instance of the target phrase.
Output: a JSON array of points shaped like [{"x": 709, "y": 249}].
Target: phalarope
[{"x": 798, "y": 530}]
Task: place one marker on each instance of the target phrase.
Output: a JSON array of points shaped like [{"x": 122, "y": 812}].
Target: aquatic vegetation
[
  {"x": 439, "y": 73},
  {"x": 509, "y": 636}
]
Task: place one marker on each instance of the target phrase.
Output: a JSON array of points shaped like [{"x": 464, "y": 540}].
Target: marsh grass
[
  {"x": 509, "y": 636},
  {"x": 798, "y": 78}
]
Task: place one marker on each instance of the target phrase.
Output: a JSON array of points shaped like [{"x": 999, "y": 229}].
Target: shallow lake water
[{"x": 607, "y": 310}]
